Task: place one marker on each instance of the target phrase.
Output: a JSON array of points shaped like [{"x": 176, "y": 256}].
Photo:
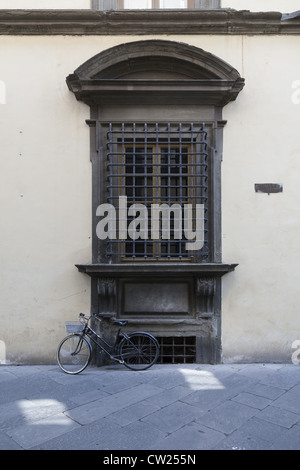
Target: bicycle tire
[
  {"x": 72, "y": 363},
  {"x": 139, "y": 350}
]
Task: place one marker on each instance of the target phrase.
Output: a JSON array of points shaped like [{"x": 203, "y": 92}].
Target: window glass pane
[
  {"x": 137, "y": 4},
  {"x": 173, "y": 4}
]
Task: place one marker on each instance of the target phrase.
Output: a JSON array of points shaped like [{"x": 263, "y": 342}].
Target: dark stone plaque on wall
[{"x": 156, "y": 298}]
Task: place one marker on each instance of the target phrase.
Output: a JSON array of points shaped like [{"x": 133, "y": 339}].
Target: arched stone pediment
[{"x": 156, "y": 67}]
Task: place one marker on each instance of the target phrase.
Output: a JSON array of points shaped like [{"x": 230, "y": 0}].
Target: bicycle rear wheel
[
  {"x": 139, "y": 350},
  {"x": 74, "y": 354}
]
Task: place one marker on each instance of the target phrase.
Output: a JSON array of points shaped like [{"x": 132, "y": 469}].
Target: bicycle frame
[{"x": 108, "y": 348}]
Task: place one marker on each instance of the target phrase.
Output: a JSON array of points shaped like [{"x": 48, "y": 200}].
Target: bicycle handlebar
[{"x": 84, "y": 317}]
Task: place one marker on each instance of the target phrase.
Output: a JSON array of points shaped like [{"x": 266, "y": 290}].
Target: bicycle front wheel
[
  {"x": 74, "y": 354},
  {"x": 139, "y": 351}
]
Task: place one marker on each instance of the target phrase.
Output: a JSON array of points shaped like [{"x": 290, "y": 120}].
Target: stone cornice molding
[
  {"x": 107, "y": 77},
  {"x": 142, "y": 22},
  {"x": 114, "y": 271}
]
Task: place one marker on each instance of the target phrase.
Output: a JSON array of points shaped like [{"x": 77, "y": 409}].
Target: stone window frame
[
  {"x": 106, "y": 5},
  {"x": 142, "y": 81},
  {"x": 106, "y": 84}
]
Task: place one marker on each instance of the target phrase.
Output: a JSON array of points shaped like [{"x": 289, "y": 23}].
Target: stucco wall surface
[
  {"x": 46, "y": 194},
  {"x": 45, "y": 4},
  {"x": 261, "y": 316},
  {"x": 285, "y": 6},
  {"x": 252, "y": 5}
]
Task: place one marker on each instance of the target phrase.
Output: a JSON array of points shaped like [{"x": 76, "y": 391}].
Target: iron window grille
[
  {"x": 157, "y": 164},
  {"x": 177, "y": 350}
]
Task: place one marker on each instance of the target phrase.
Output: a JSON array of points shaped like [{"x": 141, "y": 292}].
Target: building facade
[{"x": 150, "y": 163}]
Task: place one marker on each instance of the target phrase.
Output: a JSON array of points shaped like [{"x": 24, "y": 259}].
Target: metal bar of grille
[
  {"x": 180, "y": 178},
  {"x": 122, "y": 189},
  {"x": 157, "y": 163},
  {"x": 145, "y": 180},
  {"x": 156, "y": 193}
]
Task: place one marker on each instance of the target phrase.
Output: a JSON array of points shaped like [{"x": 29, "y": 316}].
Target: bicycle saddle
[{"x": 121, "y": 322}]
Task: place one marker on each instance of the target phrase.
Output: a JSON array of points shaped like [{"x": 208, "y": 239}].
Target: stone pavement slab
[
  {"x": 191, "y": 437},
  {"x": 172, "y": 417},
  {"x": 168, "y": 407},
  {"x": 31, "y": 434},
  {"x": 98, "y": 409},
  {"x": 227, "y": 417},
  {"x": 278, "y": 416},
  {"x": 289, "y": 400}
]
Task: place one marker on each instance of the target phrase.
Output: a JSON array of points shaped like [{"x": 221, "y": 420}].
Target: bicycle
[{"x": 137, "y": 350}]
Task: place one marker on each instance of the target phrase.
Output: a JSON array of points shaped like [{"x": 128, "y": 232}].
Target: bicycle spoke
[
  {"x": 139, "y": 351},
  {"x": 73, "y": 354}
]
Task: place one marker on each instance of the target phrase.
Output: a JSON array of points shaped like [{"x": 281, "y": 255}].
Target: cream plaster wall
[
  {"x": 285, "y": 6},
  {"x": 46, "y": 195},
  {"x": 252, "y": 5},
  {"x": 45, "y": 4},
  {"x": 261, "y": 316}
]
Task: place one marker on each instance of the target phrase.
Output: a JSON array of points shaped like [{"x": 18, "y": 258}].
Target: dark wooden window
[
  {"x": 141, "y": 4},
  {"x": 159, "y": 169},
  {"x": 154, "y": 4}
]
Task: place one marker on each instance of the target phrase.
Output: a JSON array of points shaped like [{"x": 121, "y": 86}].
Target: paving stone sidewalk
[{"x": 168, "y": 407}]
